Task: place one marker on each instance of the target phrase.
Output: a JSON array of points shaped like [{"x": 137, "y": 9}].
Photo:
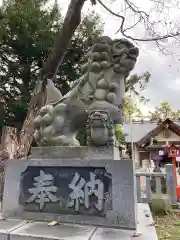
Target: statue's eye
[{"x": 121, "y": 45}]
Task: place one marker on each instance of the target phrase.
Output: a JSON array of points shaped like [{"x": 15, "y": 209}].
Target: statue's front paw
[
  {"x": 59, "y": 141},
  {"x": 45, "y": 117}
]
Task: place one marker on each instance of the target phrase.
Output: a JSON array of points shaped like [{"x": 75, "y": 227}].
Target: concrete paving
[{"x": 13, "y": 229}]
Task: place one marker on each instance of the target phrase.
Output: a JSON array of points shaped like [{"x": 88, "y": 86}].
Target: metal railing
[{"x": 149, "y": 184}]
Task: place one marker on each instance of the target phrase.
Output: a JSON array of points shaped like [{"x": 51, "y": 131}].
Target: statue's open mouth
[
  {"x": 133, "y": 53},
  {"x": 133, "y": 58}
]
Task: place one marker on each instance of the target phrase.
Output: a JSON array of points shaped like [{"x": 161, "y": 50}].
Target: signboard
[
  {"x": 161, "y": 152},
  {"x": 95, "y": 192},
  {"x": 66, "y": 190}
]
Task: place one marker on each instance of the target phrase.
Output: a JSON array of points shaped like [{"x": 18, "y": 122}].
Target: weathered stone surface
[
  {"x": 116, "y": 207},
  {"x": 59, "y": 152},
  {"x": 74, "y": 152},
  {"x": 40, "y": 230},
  {"x": 8, "y": 225},
  {"x": 146, "y": 224},
  {"x": 101, "y": 87},
  {"x": 113, "y": 234},
  {"x": 145, "y": 231}
]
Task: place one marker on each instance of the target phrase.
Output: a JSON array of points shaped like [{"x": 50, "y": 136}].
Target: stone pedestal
[
  {"x": 93, "y": 192},
  {"x": 78, "y": 153},
  {"x": 89, "y": 195},
  {"x": 9, "y": 225}
]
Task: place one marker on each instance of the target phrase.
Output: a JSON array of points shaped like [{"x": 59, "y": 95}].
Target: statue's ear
[
  {"x": 92, "y": 79},
  {"x": 53, "y": 94}
]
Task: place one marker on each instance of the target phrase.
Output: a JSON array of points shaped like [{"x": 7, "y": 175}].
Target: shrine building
[{"x": 151, "y": 139}]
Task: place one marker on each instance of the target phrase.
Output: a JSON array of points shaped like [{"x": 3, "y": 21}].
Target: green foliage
[
  {"x": 119, "y": 133},
  {"x": 131, "y": 109},
  {"x": 160, "y": 206},
  {"x": 134, "y": 80},
  {"x": 164, "y": 111},
  {"x": 176, "y": 115},
  {"x": 27, "y": 33},
  {"x": 167, "y": 227},
  {"x": 131, "y": 85}
]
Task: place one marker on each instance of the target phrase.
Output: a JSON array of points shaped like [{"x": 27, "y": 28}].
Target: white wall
[{"x": 173, "y": 137}]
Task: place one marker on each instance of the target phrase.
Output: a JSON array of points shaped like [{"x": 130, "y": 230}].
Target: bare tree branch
[
  {"x": 135, "y": 24},
  {"x": 113, "y": 13},
  {"x": 143, "y": 16},
  {"x": 135, "y": 9}
]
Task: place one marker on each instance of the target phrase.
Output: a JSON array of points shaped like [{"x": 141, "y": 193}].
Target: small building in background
[{"x": 151, "y": 139}]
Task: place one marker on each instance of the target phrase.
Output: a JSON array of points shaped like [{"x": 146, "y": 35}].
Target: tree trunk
[
  {"x": 8, "y": 149},
  {"x": 9, "y": 144},
  {"x": 27, "y": 130},
  {"x": 2, "y": 112},
  {"x": 62, "y": 42},
  {"x": 50, "y": 68}
]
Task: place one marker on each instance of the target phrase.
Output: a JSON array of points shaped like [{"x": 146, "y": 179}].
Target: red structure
[{"x": 173, "y": 153}]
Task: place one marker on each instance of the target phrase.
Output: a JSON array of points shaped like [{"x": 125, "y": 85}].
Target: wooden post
[
  {"x": 2, "y": 112},
  {"x": 175, "y": 174},
  {"x": 138, "y": 187},
  {"x": 170, "y": 183}
]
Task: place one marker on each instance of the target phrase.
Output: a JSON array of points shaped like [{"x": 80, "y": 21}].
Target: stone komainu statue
[{"x": 101, "y": 87}]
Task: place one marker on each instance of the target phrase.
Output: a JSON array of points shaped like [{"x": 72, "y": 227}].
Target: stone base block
[
  {"x": 41, "y": 231},
  {"x": 9, "y": 225},
  {"x": 111, "y": 202},
  {"x": 145, "y": 228},
  {"x": 20, "y": 230},
  {"x": 80, "y": 153}
]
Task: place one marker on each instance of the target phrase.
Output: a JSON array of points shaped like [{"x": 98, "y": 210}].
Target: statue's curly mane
[{"x": 106, "y": 54}]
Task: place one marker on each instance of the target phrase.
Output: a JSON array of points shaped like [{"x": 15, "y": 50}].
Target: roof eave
[{"x": 172, "y": 126}]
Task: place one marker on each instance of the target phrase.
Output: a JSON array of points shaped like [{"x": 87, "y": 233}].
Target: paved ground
[{"x": 17, "y": 229}]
